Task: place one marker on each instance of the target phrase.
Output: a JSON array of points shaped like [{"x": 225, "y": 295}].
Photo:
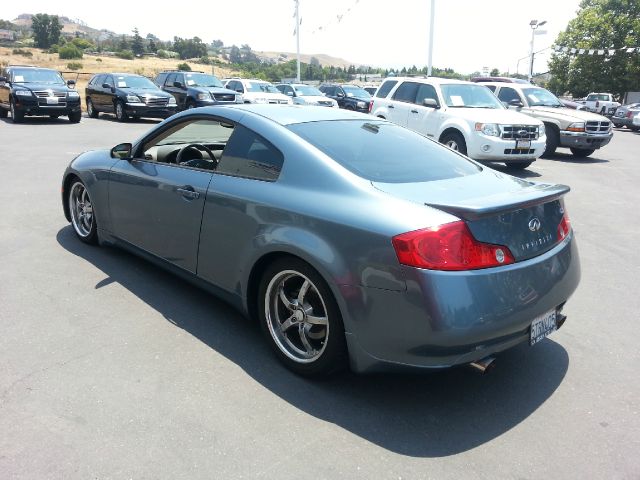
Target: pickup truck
[{"x": 602, "y": 103}]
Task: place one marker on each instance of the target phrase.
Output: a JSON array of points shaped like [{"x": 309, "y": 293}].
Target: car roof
[
  {"x": 432, "y": 80},
  {"x": 499, "y": 79},
  {"x": 510, "y": 85},
  {"x": 292, "y": 114}
]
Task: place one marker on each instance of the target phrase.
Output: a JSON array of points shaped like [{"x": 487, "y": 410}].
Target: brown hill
[{"x": 325, "y": 60}]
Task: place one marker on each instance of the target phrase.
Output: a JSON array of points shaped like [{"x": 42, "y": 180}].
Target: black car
[
  {"x": 27, "y": 90},
  {"x": 196, "y": 89},
  {"x": 127, "y": 95},
  {"x": 349, "y": 97}
]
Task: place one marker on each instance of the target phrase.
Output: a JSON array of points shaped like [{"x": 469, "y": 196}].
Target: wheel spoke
[
  {"x": 305, "y": 341},
  {"x": 303, "y": 291},
  {"x": 284, "y": 299},
  {"x": 287, "y": 324},
  {"x": 313, "y": 320}
]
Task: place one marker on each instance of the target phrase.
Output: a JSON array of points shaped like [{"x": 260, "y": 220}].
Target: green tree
[
  {"x": 137, "y": 47},
  {"x": 189, "y": 48},
  {"x": 599, "y": 25},
  {"x": 46, "y": 29},
  {"x": 123, "y": 44},
  {"x": 495, "y": 72}
]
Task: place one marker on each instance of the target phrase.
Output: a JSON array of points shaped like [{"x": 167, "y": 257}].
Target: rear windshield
[{"x": 383, "y": 152}]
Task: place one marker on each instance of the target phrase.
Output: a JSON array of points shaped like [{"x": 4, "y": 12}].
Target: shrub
[
  {"x": 69, "y": 52},
  {"x": 24, "y": 53},
  {"x": 184, "y": 66},
  {"x": 167, "y": 54},
  {"x": 82, "y": 43},
  {"x": 98, "y": 60},
  {"x": 125, "y": 54},
  {"x": 205, "y": 60},
  {"x": 74, "y": 66}
]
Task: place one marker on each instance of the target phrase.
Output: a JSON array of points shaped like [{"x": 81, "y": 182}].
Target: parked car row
[{"x": 625, "y": 115}]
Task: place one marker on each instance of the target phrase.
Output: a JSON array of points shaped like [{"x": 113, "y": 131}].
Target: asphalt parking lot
[{"x": 111, "y": 368}]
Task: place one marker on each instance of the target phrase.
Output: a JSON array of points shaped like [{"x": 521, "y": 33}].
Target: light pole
[
  {"x": 297, "y": 14},
  {"x": 430, "y": 61},
  {"x": 534, "y": 24}
]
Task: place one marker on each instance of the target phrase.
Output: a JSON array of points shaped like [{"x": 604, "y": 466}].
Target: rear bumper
[
  {"x": 451, "y": 318},
  {"x": 584, "y": 140}
]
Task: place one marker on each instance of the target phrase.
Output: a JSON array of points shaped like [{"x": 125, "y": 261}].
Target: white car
[
  {"x": 302, "y": 94},
  {"x": 602, "y": 103},
  {"x": 465, "y": 116},
  {"x": 257, "y": 91}
]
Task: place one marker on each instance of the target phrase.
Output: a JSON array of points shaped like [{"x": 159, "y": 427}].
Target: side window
[
  {"x": 170, "y": 79},
  {"x": 109, "y": 80},
  {"x": 330, "y": 91},
  {"x": 406, "y": 92},
  {"x": 385, "y": 88},
  {"x": 180, "y": 78},
  {"x": 250, "y": 156},
  {"x": 160, "y": 79},
  {"x": 426, "y": 91},
  {"x": 506, "y": 94},
  {"x": 591, "y": 98},
  {"x": 288, "y": 90},
  {"x": 492, "y": 88}
]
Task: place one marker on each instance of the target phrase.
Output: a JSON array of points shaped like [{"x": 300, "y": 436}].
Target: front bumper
[
  {"x": 148, "y": 111},
  {"x": 37, "y": 106},
  {"x": 584, "y": 140},
  {"x": 452, "y": 318},
  {"x": 485, "y": 148}
]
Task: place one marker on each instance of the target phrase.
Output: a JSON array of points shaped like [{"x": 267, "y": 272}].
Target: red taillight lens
[
  {"x": 629, "y": 114},
  {"x": 370, "y": 105},
  {"x": 448, "y": 247},
  {"x": 564, "y": 228}
]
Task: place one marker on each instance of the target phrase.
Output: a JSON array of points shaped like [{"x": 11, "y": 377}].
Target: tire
[
  {"x": 75, "y": 117},
  {"x": 3, "y": 113},
  {"x": 634, "y": 128},
  {"x": 83, "y": 219},
  {"x": 312, "y": 342},
  {"x": 16, "y": 115},
  {"x": 582, "y": 152},
  {"x": 121, "y": 114},
  {"x": 349, "y": 107},
  {"x": 91, "y": 111},
  {"x": 190, "y": 104},
  {"x": 455, "y": 141},
  {"x": 518, "y": 166},
  {"x": 553, "y": 140}
]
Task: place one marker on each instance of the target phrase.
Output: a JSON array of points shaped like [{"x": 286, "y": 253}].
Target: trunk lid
[{"x": 499, "y": 209}]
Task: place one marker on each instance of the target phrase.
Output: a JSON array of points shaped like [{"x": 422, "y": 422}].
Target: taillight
[
  {"x": 564, "y": 228},
  {"x": 448, "y": 247},
  {"x": 370, "y": 105},
  {"x": 629, "y": 114}
]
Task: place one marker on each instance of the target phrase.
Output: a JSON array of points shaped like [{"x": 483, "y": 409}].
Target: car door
[
  {"x": 107, "y": 95},
  {"x": 179, "y": 93},
  {"x": 403, "y": 101},
  {"x": 155, "y": 203},
  {"x": 421, "y": 119}
]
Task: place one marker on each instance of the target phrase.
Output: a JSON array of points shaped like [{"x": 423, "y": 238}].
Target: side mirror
[
  {"x": 178, "y": 84},
  {"x": 515, "y": 103},
  {"x": 3, "y": 79},
  {"x": 239, "y": 90},
  {"x": 340, "y": 94},
  {"x": 122, "y": 151},
  {"x": 106, "y": 85},
  {"x": 430, "y": 103},
  {"x": 71, "y": 83}
]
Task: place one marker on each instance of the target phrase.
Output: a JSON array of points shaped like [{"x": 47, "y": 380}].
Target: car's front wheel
[
  {"x": 455, "y": 141},
  {"x": 3, "y": 113},
  {"x": 75, "y": 117},
  {"x": 300, "y": 318},
  {"x": 581, "y": 152},
  {"x": 82, "y": 212},
  {"x": 16, "y": 115},
  {"x": 121, "y": 115},
  {"x": 519, "y": 166}
]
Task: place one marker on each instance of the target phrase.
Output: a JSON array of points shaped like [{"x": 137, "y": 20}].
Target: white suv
[
  {"x": 464, "y": 116},
  {"x": 257, "y": 91}
]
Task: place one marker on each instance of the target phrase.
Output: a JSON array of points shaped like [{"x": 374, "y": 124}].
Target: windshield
[
  {"x": 32, "y": 75},
  {"x": 462, "y": 95},
  {"x": 353, "y": 91},
  {"x": 134, "y": 82},
  {"x": 202, "y": 80},
  {"x": 539, "y": 97},
  {"x": 380, "y": 151},
  {"x": 307, "y": 91},
  {"x": 262, "y": 87}
]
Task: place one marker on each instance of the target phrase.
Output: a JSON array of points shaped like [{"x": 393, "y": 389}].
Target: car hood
[
  {"x": 215, "y": 90},
  {"x": 279, "y": 96},
  {"x": 145, "y": 92},
  {"x": 36, "y": 87},
  {"x": 494, "y": 115},
  {"x": 316, "y": 98},
  {"x": 498, "y": 208},
  {"x": 563, "y": 113}
]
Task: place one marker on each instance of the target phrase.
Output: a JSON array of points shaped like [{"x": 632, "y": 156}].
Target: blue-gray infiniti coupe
[{"x": 352, "y": 240}]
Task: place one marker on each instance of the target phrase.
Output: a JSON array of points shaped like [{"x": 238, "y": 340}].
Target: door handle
[
  {"x": 188, "y": 193},
  {"x": 391, "y": 106},
  {"x": 414, "y": 111}
]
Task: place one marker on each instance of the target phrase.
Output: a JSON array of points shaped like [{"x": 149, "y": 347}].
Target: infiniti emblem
[{"x": 534, "y": 224}]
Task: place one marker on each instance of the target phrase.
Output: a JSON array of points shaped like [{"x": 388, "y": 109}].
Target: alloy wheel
[{"x": 81, "y": 210}]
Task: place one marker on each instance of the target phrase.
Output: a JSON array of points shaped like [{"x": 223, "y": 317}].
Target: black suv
[
  {"x": 27, "y": 90},
  {"x": 196, "y": 89},
  {"x": 349, "y": 97},
  {"x": 127, "y": 95}
]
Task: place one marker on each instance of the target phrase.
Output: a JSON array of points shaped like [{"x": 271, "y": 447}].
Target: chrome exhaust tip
[{"x": 483, "y": 365}]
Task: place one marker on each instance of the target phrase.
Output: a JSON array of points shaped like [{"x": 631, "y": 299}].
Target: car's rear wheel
[
  {"x": 16, "y": 115},
  {"x": 300, "y": 318},
  {"x": 91, "y": 111},
  {"x": 3, "y": 113},
  {"x": 519, "y": 166},
  {"x": 553, "y": 140},
  {"x": 82, "y": 212},
  {"x": 121, "y": 115},
  {"x": 75, "y": 117},
  {"x": 582, "y": 152},
  {"x": 455, "y": 141}
]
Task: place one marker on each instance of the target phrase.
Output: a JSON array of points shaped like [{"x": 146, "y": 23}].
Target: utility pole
[
  {"x": 534, "y": 24},
  {"x": 430, "y": 58},
  {"x": 297, "y": 14}
]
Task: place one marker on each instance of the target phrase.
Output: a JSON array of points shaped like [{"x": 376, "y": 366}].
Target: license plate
[
  {"x": 52, "y": 100},
  {"x": 542, "y": 327},
  {"x": 522, "y": 144}
]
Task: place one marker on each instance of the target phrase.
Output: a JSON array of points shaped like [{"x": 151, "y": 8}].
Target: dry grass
[{"x": 148, "y": 66}]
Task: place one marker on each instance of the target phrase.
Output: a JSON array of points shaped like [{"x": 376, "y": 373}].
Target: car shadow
[
  {"x": 515, "y": 172},
  {"x": 417, "y": 415},
  {"x": 62, "y": 120},
  {"x": 112, "y": 118},
  {"x": 569, "y": 158}
]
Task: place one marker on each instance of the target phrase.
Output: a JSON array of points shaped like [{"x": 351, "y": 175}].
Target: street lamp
[{"x": 534, "y": 24}]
